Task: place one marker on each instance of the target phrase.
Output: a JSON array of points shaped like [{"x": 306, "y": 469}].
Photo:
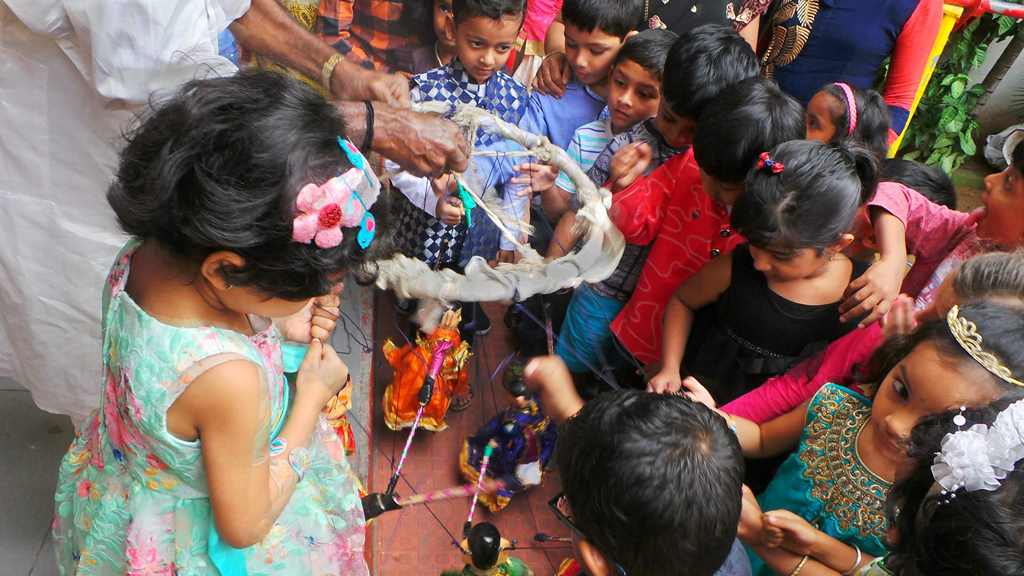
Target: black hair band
[{"x": 368, "y": 133}]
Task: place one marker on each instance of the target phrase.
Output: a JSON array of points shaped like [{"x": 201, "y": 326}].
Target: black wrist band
[{"x": 368, "y": 134}]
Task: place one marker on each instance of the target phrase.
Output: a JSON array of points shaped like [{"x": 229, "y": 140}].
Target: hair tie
[
  {"x": 851, "y": 106},
  {"x": 765, "y": 161}
]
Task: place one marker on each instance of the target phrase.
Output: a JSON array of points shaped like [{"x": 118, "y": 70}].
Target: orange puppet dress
[{"x": 410, "y": 363}]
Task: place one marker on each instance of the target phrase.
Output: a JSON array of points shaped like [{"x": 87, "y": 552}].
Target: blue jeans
[{"x": 585, "y": 341}]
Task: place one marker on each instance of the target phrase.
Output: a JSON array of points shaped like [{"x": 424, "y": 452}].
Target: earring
[{"x": 227, "y": 286}]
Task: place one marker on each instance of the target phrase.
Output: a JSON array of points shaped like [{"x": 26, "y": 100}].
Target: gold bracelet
[
  {"x": 799, "y": 566},
  {"x": 328, "y": 70}
]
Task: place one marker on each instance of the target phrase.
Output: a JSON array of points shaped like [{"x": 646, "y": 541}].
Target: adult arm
[
  {"x": 422, "y": 144},
  {"x": 909, "y": 60},
  {"x": 268, "y": 29},
  {"x": 783, "y": 393}
]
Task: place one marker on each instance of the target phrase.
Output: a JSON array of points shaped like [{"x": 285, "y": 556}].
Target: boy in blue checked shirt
[{"x": 433, "y": 225}]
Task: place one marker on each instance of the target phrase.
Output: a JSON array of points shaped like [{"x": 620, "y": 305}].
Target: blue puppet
[{"x": 525, "y": 438}]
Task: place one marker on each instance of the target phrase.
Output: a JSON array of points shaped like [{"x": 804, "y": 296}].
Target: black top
[
  {"x": 680, "y": 16},
  {"x": 751, "y": 333}
]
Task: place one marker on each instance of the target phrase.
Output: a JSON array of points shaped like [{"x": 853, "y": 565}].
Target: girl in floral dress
[{"x": 245, "y": 204}]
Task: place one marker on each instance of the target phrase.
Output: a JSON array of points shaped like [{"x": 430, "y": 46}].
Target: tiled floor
[
  {"x": 31, "y": 445},
  {"x": 412, "y": 542}
]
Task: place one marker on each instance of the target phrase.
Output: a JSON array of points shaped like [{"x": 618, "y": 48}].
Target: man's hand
[
  {"x": 553, "y": 76},
  {"x": 629, "y": 163},
  {"x": 355, "y": 83},
  {"x": 421, "y": 144}
]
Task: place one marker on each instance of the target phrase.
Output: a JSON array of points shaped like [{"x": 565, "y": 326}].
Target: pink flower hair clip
[{"x": 325, "y": 209}]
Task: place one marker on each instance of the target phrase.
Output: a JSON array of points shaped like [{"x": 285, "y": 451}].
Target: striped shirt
[{"x": 586, "y": 145}]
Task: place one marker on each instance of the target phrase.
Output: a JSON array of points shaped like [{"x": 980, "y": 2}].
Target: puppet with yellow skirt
[{"x": 412, "y": 364}]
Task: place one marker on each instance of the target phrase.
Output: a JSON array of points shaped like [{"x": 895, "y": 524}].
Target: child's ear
[
  {"x": 594, "y": 562},
  {"x": 843, "y": 243},
  {"x": 212, "y": 268},
  {"x": 449, "y": 26}
]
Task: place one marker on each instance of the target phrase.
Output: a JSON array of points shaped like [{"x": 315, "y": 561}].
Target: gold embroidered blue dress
[{"x": 825, "y": 481}]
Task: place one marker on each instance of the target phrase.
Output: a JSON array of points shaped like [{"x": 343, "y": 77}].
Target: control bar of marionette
[
  {"x": 488, "y": 450},
  {"x": 439, "y": 495},
  {"x": 425, "y": 394}
]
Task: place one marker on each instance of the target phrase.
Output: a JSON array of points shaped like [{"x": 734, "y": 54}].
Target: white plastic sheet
[{"x": 72, "y": 76}]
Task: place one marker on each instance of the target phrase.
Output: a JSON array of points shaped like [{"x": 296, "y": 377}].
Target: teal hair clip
[
  {"x": 368, "y": 225},
  {"x": 467, "y": 202}
]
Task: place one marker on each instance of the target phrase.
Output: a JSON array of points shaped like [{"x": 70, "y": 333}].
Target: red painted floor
[{"x": 411, "y": 541}]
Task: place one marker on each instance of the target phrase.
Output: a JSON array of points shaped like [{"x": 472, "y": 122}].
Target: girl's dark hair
[
  {"x": 218, "y": 166},
  {"x": 992, "y": 275},
  {"x": 1000, "y": 325},
  {"x": 812, "y": 202},
  {"x": 648, "y": 49},
  {"x": 979, "y": 532},
  {"x": 929, "y": 181},
  {"x": 872, "y": 129}
]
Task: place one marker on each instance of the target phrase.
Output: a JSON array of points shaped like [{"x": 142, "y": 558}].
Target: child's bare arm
[
  {"x": 771, "y": 438},
  {"x": 550, "y": 379},
  {"x": 701, "y": 289},
  {"x": 791, "y": 532},
  {"x": 229, "y": 407},
  {"x": 875, "y": 290}
]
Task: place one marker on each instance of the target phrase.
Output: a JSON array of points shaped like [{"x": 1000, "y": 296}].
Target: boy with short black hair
[
  {"x": 691, "y": 200},
  {"x": 432, "y": 225},
  {"x": 651, "y": 484},
  {"x": 594, "y": 32}
]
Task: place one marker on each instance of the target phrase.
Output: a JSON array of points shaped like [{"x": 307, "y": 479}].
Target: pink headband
[{"x": 851, "y": 106}]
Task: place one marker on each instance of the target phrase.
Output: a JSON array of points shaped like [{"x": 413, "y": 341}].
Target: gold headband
[{"x": 966, "y": 333}]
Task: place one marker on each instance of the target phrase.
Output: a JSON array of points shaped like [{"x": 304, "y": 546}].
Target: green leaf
[
  {"x": 948, "y": 115},
  {"x": 933, "y": 158},
  {"x": 912, "y": 155},
  {"x": 954, "y": 127},
  {"x": 976, "y": 90},
  {"x": 979, "y": 55},
  {"x": 943, "y": 142},
  {"x": 967, "y": 144},
  {"x": 956, "y": 89},
  {"x": 1005, "y": 24},
  {"x": 947, "y": 163},
  {"x": 946, "y": 81}
]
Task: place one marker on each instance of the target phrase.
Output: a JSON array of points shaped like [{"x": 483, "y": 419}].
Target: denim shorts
[{"x": 585, "y": 341}]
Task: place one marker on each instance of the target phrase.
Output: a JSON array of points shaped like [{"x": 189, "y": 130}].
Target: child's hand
[
  {"x": 322, "y": 373},
  {"x": 751, "y": 528},
  {"x": 549, "y": 377},
  {"x": 695, "y": 391},
  {"x": 873, "y": 292},
  {"x": 900, "y": 320},
  {"x": 534, "y": 178},
  {"x": 449, "y": 210},
  {"x": 553, "y": 76},
  {"x": 317, "y": 319},
  {"x": 628, "y": 164},
  {"x": 667, "y": 381},
  {"x": 784, "y": 529}
]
